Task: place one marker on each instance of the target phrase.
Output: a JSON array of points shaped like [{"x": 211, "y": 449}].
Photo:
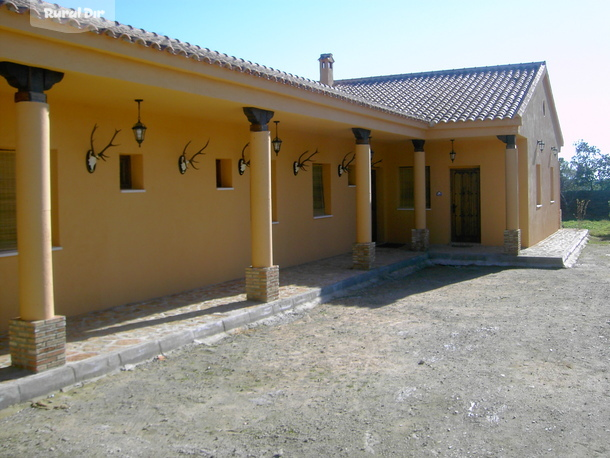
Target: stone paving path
[{"x": 112, "y": 330}]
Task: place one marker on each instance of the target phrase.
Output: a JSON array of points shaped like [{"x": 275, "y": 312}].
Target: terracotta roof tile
[
  {"x": 484, "y": 93},
  {"x": 469, "y": 94},
  {"x": 141, "y": 37}
]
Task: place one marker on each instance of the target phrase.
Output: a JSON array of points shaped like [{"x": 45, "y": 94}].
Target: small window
[
  {"x": 406, "y": 185},
  {"x": 552, "y": 181},
  {"x": 224, "y": 179},
  {"x": 131, "y": 172},
  {"x": 321, "y": 190},
  {"x": 125, "y": 172},
  {"x": 8, "y": 204}
]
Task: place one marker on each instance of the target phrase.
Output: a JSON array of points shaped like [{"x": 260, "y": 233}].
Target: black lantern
[
  {"x": 139, "y": 129},
  {"x": 452, "y": 153},
  {"x": 276, "y": 142}
]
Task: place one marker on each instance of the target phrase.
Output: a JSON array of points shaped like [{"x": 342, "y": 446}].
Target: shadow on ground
[{"x": 428, "y": 279}]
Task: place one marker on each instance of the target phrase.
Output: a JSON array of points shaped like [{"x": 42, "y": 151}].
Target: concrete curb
[
  {"x": 567, "y": 259},
  {"x": 497, "y": 260},
  {"x": 572, "y": 254},
  {"x": 33, "y": 386}
]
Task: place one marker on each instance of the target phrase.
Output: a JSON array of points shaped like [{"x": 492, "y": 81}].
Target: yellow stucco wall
[
  {"x": 540, "y": 219},
  {"x": 180, "y": 232},
  {"x": 486, "y": 154}
]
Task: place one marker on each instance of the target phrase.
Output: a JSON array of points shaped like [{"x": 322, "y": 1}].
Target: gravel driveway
[{"x": 451, "y": 362}]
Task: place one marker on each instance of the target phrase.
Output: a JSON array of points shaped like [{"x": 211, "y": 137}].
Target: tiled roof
[
  {"x": 163, "y": 43},
  {"x": 469, "y": 94}
]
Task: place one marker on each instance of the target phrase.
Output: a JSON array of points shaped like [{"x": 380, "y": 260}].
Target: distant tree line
[{"x": 586, "y": 177}]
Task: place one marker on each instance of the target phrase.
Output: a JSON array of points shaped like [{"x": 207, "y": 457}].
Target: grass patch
[{"x": 598, "y": 229}]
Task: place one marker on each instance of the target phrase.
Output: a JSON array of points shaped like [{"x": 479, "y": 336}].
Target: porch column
[
  {"x": 364, "y": 248},
  {"x": 262, "y": 277},
  {"x": 512, "y": 234},
  {"x": 37, "y": 337},
  {"x": 420, "y": 235}
]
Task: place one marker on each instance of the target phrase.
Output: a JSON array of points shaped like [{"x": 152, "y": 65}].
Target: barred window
[
  {"x": 406, "y": 184},
  {"x": 8, "y": 205},
  {"x": 321, "y": 190}
]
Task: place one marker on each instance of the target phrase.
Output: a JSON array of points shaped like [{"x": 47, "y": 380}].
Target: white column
[
  {"x": 262, "y": 277},
  {"x": 364, "y": 233},
  {"x": 33, "y": 179},
  {"x": 260, "y": 199},
  {"x": 512, "y": 186}
]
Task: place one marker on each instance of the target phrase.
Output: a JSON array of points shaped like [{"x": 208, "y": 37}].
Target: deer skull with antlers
[
  {"x": 301, "y": 163},
  {"x": 184, "y": 163},
  {"x": 92, "y": 156},
  {"x": 344, "y": 167},
  {"x": 242, "y": 164},
  {"x": 373, "y": 162}
]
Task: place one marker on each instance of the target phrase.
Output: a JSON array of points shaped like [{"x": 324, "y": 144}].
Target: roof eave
[
  {"x": 478, "y": 128},
  {"x": 150, "y": 40}
]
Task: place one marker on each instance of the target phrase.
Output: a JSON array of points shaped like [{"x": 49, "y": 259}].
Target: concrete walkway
[{"x": 102, "y": 342}]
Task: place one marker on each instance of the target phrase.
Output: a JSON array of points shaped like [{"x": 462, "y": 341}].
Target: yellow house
[{"x": 91, "y": 218}]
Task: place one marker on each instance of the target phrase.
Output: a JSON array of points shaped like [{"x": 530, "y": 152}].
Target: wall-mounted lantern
[
  {"x": 184, "y": 163},
  {"x": 452, "y": 153},
  {"x": 301, "y": 163},
  {"x": 139, "y": 129},
  {"x": 555, "y": 150},
  {"x": 540, "y": 145},
  {"x": 92, "y": 156},
  {"x": 276, "y": 142}
]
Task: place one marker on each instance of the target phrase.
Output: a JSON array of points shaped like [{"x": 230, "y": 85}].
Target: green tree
[
  {"x": 568, "y": 176},
  {"x": 589, "y": 169}
]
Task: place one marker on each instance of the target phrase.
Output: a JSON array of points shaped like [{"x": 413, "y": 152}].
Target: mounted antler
[
  {"x": 374, "y": 163},
  {"x": 344, "y": 168},
  {"x": 242, "y": 164},
  {"x": 183, "y": 162},
  {"x": 301, "y": 163},
  {"x": 92, "y": 156}
]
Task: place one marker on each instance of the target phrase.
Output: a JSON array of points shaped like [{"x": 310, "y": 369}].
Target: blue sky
[{"x": 369, "y": 38}]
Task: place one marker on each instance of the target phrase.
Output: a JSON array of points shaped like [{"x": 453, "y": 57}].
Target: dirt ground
[{"x": 449, "y": 361}]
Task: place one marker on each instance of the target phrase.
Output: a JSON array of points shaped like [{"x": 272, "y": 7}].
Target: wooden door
[{"x": 465, "y": 206}]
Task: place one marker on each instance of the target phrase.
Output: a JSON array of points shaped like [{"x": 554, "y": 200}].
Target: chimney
[{"x": 326, "y": 69}]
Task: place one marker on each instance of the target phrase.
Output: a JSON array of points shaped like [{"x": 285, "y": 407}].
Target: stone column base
[
  {"x": 512, "y": 241},
  {"x": 363, "y": 255},
  {"x": 38, "y": 345},
  {"x": 263, "y": 283},
  {"x": 420, "y": 239}
]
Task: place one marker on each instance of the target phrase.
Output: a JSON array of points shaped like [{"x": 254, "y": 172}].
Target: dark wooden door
[{"x": 465, "y": 206}]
